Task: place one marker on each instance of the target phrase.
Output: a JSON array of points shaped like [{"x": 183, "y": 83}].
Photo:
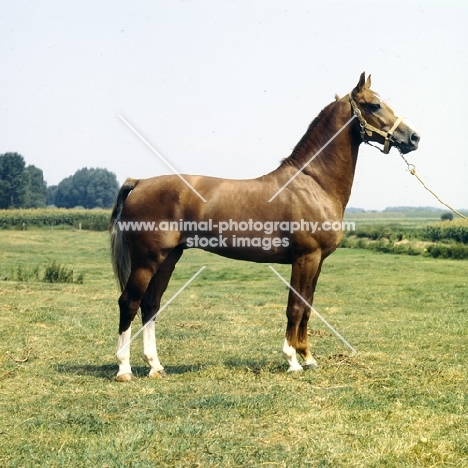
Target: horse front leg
[
  {"x": 305, "y": 272},
  {"x": 302, "y": 339}
]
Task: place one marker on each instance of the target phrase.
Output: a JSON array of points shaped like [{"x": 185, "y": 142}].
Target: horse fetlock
[
  {"x": 155, "y": 365},
  {"x": 309, "y": 361},
  {"x": 289, "y": 354}
]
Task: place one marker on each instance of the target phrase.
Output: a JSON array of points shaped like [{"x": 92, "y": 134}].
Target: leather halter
[{"x": 368, "y": 129}]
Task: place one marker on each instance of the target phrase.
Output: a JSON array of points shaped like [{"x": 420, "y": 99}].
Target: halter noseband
[{"x": 368, "y": 129}]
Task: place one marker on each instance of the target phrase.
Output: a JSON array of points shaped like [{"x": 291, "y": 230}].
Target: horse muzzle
[{"x": 408, "y": 142}]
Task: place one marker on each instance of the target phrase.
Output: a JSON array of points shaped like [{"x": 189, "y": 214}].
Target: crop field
[{"x": 401, "y": 401}]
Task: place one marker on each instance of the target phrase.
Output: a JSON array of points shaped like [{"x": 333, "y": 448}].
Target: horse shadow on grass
[
  {"x": 255, "y": 366},
  {"x": 109, "y": 371}
]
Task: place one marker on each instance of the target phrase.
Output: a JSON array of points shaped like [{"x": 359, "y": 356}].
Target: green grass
[{"x": 228, "y": 401}]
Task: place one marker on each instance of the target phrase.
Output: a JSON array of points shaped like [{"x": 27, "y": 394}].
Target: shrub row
[
  {"x": 53, "y": 273},
  {"x": 457, "y": 251},
  {"x": 447, "y": 231},
  {"x": 391, "y": 232},
  {"x": 94, "y": 220},
  {"x": 451, "y": 250}
]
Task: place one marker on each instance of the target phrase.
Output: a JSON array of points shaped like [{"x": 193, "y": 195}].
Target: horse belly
[{"x": 255, "y": 248}]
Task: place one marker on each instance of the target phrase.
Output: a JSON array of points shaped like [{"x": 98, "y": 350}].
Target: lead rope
[{"x": 412, "y": 170}]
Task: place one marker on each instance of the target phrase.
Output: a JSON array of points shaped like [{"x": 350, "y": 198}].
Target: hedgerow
[
  {"x": 456, "y": 231},
  {"x": 447, "y": 239},
  {"x": 94, "y": 220}
]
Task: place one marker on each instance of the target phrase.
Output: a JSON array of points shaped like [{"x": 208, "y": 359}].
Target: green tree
[
  {"x": 51, "y": 194},
  {"x": 13, "y": 181},
  {"x": 65, "y": 196},
  {"x": 36, "y": 190},
  {"x": 89, "y": 188},
  {"x": 102, "y": 188}
]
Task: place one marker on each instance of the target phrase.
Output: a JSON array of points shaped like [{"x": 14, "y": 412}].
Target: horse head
[{"x": 379, "y": 122}]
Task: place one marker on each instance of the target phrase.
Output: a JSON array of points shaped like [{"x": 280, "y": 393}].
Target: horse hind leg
[
  {"x": 150, "y": 305},
  {"x": 129, "y": 302}
]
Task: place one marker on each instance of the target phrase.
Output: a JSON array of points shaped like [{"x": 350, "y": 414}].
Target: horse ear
[
  {"x": 361, "y": 84},
  {"x": 368, "y": 83}
]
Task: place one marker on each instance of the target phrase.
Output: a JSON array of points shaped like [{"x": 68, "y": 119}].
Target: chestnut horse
[{"x": 267, "y": 219}]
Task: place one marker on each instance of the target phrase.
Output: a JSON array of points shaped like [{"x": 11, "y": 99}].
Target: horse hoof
[
  {"x": 124, "y": 378},
  {"x": 295, "y": 369},
  {"x": 311, "y": 364},
  {"x": 161, "y": 374}
]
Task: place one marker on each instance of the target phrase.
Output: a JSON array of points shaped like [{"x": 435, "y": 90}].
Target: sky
[{"x": 228, "y": 87}]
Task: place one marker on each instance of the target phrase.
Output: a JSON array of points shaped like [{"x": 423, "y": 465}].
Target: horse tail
[{"x": 120, "y": 255}]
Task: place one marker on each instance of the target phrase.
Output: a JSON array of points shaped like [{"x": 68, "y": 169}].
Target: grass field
[{"x": 228, "y": 401}]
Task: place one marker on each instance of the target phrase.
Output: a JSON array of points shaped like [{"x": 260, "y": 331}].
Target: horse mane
[{"x": 306, "y": 143}]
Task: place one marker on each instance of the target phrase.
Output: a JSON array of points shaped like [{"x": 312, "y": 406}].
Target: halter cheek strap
[{"x": 367, "y": 129}]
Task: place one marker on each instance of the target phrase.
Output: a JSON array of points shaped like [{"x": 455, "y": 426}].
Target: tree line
[{"x": 24, "y": 186}]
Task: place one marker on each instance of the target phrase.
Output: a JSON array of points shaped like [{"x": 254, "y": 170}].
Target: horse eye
[{"x": 374, "y": 107}]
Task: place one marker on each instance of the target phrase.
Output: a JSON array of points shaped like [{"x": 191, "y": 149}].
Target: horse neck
[{"x": 333, "y": 168}]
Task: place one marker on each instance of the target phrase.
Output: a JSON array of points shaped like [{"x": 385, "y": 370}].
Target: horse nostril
[{"x": 415, "y": 138}]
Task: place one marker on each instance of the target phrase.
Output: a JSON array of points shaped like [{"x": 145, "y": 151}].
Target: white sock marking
[
  {"x": 149, "y": 348},
  {"x": 123, "y": 352},
  {"x": 289, "y": 353}
]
